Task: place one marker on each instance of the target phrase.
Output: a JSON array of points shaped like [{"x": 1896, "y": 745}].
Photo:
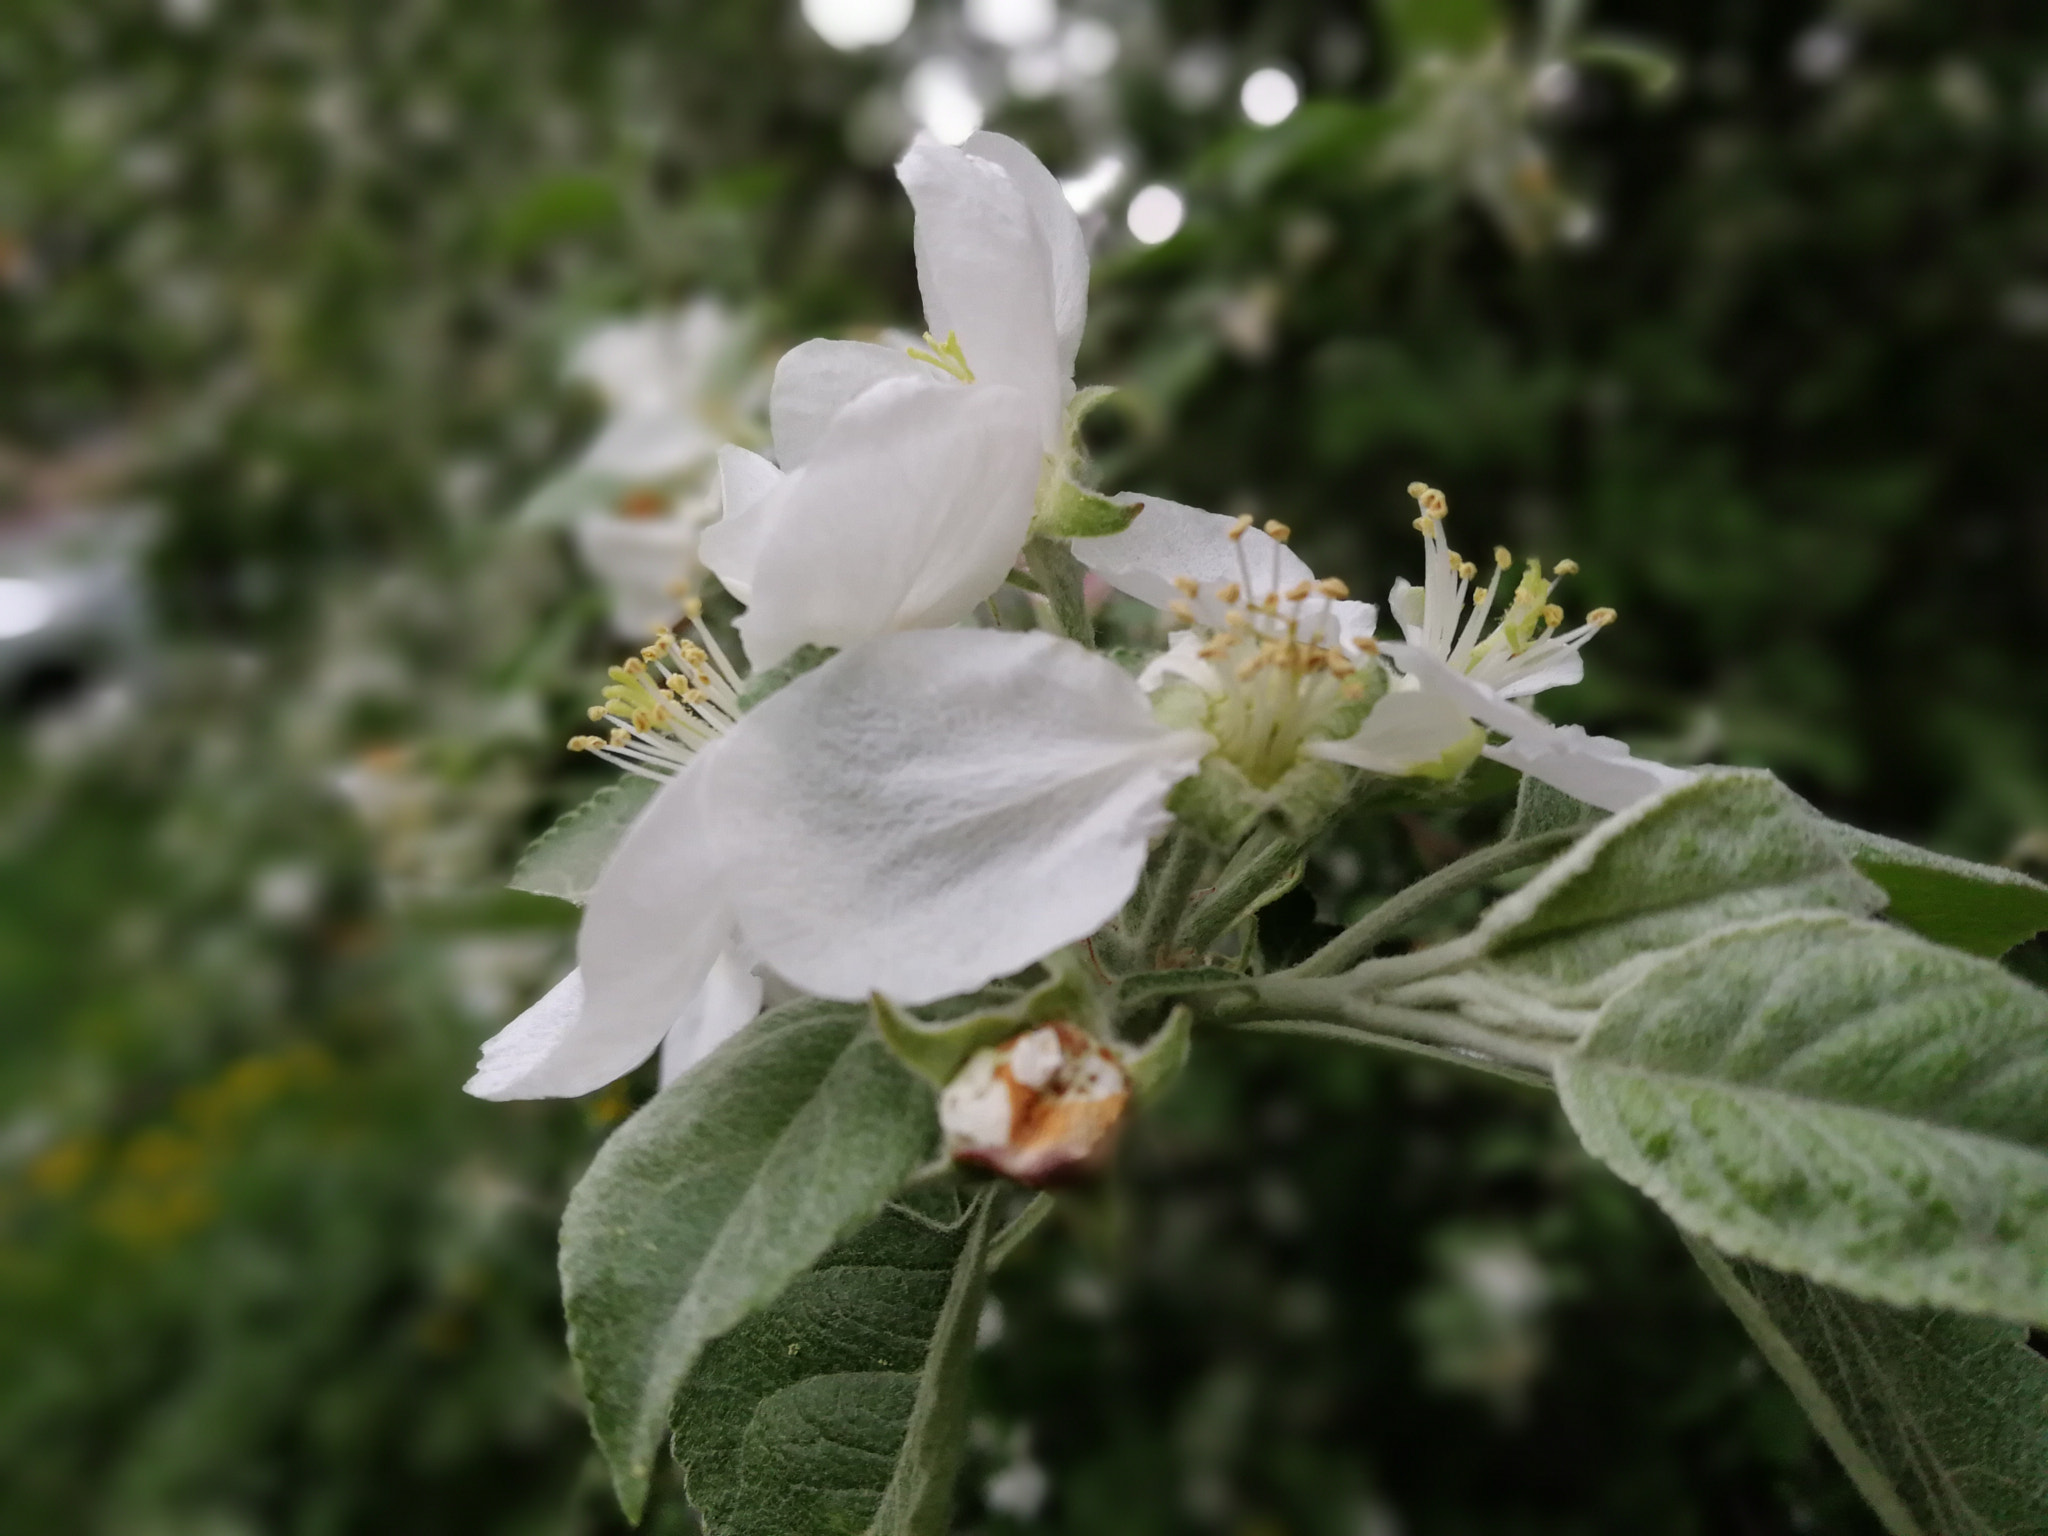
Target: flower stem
[
  {"x": 1246, "y": 882},
  {"x": 1333, "y": 1008},
  {"x": 1358, "y": 941},
  {"x": 1059, "y": 576},
  {"x": 1167, "y": 901},
  {"x": 1022, "y": 1225}
]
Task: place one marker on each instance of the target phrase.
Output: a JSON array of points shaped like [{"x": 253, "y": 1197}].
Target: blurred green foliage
[{"x": 1763, "y": 351}]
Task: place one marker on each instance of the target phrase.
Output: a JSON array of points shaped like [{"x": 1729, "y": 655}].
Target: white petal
[
  {"x": 731, "y": 547},
  {"x": 723, "y": 1006},
  {"x": 1407, "y": 732},
  {"x": 1181, "y": 661},
  {"x": 516, "y": 1060},
  {"x": 1595, "y": 769},
  {"x": 910, "y": 512},
  {"x": 1168, "y": 539},
  {"x": 1407, "y": 604},
  {"x": 641, "y": 561},
  {"x": 1560, "y": 669},
  {"x": 654, "y": 925},
  {"x": 815, "y": 381},
  {"x": 986, "y": 273},
  {"x": 649, "y": 446},
  {"x": 1477, "y": 700},
  {"x": 936, "y": 809},
  {"x": 1060, "y": 228}
]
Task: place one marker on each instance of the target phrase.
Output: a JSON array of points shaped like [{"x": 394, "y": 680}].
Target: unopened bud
[{"x": 1043, "y": 1108}]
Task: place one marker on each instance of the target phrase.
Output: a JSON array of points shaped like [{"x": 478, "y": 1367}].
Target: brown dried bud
[{"x": 1042, "y": 1108}]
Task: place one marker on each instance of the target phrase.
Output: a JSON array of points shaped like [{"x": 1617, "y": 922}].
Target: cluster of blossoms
[{"x": 942, "y": 802}]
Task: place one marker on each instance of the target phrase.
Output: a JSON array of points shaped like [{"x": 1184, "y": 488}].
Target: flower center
[
  {"x": 1278, "y": 670},
  {"x": 667, "y": 704},
  {"x": 946, "y": 356},
  {"x": 1524, "y": 642}
]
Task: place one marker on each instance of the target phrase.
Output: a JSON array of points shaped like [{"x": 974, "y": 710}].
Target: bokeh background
[{"x": 1743, "y": 305}]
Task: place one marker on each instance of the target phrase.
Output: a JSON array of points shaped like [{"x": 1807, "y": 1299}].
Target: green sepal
[
  {"x": 1225, "y": 807},
  {"x": 763, "y": 686},
  {"x": 1070, "y": 511},
  {"x": 936, "y": 1049}
]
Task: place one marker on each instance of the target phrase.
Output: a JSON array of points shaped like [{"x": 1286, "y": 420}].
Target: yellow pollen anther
[
  {"x": 1278, "y": 531},
  {"x": 1467, "y": 570},
  {"x": 1425, "y": 526},
  {"x": 597, "y": 712},
  {"x": 1553, "y": 615},
  {"x": 1501, "y": 558},
  {"x": 1330, "y": 586},
  {"x": 1600, "y": 618},
  {"x": 1417, "y": 489},
  {"x": 1565, "y": 568},
  {"x": 1238, "y": 526},
  {"x": 1299, "y": 591},
  {"x": 1187, "y": 586},
  {"x": 1182, "y": 612},
  {"x": 1229, "y": 592}
]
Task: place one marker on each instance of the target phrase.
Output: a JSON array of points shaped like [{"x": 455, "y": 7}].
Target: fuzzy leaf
[
  {"x": 935, "y": 1051},
  {"x": 1540, "y": 809},
  {"x": 1075, "y": 512},
  {"x": 1982, "y": 908},
  {"x": 1941, "y": 1421},
  {"x": 566, "y": 859},
  {"x": 1727, "y": 847},
  {"x": 715, "y": 1195},
  {"x": 1837, "y": 1098},
  {"x": 841, "y": 1407}
]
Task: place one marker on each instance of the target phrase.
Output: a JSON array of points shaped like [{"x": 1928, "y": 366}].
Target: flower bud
[{"x": 1042, "y": 1108}]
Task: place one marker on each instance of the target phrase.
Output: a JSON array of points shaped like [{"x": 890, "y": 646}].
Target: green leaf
[
  {"x": 720, "y": 1191},
  {"x": 1158, "y": 1064},
  {"x": 1728, "y": 847},
  {"x": 1539, "y": 809},
  {"x": 1838, "y": 1098},
  {"x": 1982, "y": 908},
  {"x": 566, "y": 860},
  {"x": 842, "y": 1407},
  {"x": 763, "y": 686},
  {"x": 1941, "y": 1421},
  {"x": 1441, "y": 26},
  {"x": 1654, "y": 71}
]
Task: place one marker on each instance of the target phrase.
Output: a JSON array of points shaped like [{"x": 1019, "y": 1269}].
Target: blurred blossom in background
[{"x": 367, "y": 368}]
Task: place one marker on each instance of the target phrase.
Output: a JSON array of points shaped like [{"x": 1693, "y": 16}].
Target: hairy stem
[
  {"x": 1276, "y": 1003},
  {"x": 1249, "y": 877},
  {"x": 1166, "y": 902},
  {"x": 1358, "y": 941},
  {"x": 1059, "y": 575}
]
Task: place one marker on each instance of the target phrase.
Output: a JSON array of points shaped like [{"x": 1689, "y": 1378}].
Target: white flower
[
  {"x": 906, "y": 477},
  {"x": 675, "y": 387},
  {"x": 1280, "y": 658},
  {"x": 919, "y": 815},
  {"x": 1456, "y": 672}
]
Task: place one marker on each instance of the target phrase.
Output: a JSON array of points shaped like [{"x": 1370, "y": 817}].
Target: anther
[
  {"x": 1565, "y": 568},
  {"x": 1417, "y": 489},
  {"x": 1501, "y": 558},
  {"x": 1331, "y": 586},
  {"x": 1278, "y": 531},
  {"x": 1238, "y": 526},
  {"x": 1187, "y": 586},
  {"x": 1299, "y": 591},
  {"x": 1600, "y": 618},
  {"x": 1182, "y": 612},
  {"x": 1229, "y": 593},
  {"x": 1553, "y": 615}
]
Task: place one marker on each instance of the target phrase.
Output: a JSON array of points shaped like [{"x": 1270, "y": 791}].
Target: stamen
[
  {"x": 945, "y": 356},
  {"x": 1238, "y": 526}
]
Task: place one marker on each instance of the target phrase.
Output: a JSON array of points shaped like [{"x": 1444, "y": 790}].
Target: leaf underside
[
  {"x": 1728, "y": 847},
  {"x": 1941, "y": 1421},
  {"x": 565, "y": 860},
  {"x": 1838, "y": 1098}
]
